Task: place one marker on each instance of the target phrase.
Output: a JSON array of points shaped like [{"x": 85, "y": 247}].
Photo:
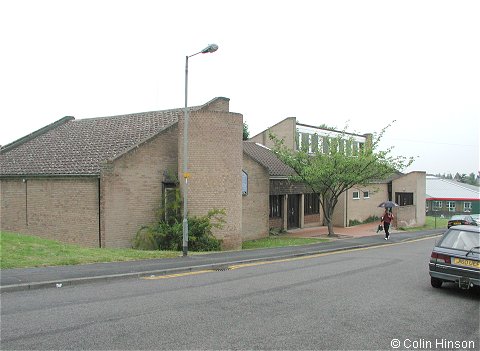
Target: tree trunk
[
  {"x": 328, "y": 207},
  {"x": 328, "y": 213},
  {"x": 330, "y": 229}
]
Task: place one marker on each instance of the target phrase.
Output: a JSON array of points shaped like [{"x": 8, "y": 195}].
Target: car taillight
[{"x": 441, "y": 257}]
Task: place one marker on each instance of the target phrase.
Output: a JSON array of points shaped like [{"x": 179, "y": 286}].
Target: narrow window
[
  {"x": 366, "y": 195},
  {"x": 244, "y": 183},
  {"x": 341, "y": 146},
  {"x": 355, "y": 148},
  {"x": 348, "y": 147},
  {"x": 172, "y": 208},
  {"x": 305, "y": 142},
  {"x": 311, "y": 204},
  {"x": 276, "y": 206},
  {"x": 314, "y": 143},
  {"x": 326, "y": 145},
  {"x": 361, "y": 147},
  {"x": 356, "y": 195}
]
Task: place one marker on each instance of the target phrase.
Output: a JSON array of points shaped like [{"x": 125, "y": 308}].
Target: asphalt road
[{"x": 366, "y": 299}]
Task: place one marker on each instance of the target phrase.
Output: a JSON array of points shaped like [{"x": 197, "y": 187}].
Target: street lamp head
[{"x": 210, "y": 48}]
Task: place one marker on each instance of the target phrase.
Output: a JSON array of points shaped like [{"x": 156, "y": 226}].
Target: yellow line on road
[
  {"x": 155, "y": 277},
  {"x": 259, "y": 263},
  {"x": 324, "y": 254}
]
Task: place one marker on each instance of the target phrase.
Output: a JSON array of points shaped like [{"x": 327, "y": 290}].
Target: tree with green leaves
[
  {"x": 330, "y": 174},
  {"x": 246, "y": 133},
  {"x": 470, "y": 179}
]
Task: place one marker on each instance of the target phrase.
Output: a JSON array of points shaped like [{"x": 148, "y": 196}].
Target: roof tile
[
  {"x": 268, "y": 159},
  {"x": 79, "y": 147}
]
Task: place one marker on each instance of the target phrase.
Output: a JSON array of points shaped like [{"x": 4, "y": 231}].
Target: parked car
[
  {"x": 456, "y": 257},
  {"x": 476, "y": 217},
  {"x": 461, "y": 220}
]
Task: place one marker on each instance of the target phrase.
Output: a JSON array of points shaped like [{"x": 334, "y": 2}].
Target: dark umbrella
[{"x": 388, "y": 204}]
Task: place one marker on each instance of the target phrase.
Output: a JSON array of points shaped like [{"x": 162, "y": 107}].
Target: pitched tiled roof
[
  {"x": 79, "y": 147},
  {"x": 267, "y": 158},
  {"x": 438, "y": 188}
]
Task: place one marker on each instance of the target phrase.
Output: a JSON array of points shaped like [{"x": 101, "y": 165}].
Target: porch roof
[{"x": 267, "y": 158}]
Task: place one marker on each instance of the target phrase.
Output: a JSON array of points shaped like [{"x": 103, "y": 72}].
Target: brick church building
[{"x": 96, "y": 181}]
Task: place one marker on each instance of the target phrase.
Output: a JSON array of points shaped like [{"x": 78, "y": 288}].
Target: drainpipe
[
  {"x": 26, "y": 201},
  {"x": 302, "y": 211},
  {"x": 99, "y": 216},
  {"x": 346, "y": 209}
]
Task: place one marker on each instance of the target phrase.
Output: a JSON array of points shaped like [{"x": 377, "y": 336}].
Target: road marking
[
  {"x": 253, "y": 264},
  {"x": 155, "y": 277},
  {"x": 326, "y": 253}
]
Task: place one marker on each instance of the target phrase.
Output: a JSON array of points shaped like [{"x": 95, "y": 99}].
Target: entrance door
[{"x": 292, "y": 211}]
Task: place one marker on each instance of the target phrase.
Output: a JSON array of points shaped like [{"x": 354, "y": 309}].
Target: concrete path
[{"x": 357, "y": 231}]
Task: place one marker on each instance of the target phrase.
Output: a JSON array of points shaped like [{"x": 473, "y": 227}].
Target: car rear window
[{"x": 460, "y": 240}]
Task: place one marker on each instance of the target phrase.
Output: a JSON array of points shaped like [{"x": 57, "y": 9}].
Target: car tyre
[{"x": 436, "y": 283}]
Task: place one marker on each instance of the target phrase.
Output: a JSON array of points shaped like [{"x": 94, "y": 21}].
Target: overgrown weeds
[{"x": 167, "y": 232}]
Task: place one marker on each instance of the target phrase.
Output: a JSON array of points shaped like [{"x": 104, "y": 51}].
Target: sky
[{"x": 361, "y": 64}]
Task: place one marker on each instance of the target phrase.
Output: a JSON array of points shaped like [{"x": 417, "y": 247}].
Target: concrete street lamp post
[{"x": 186, "y": 175}]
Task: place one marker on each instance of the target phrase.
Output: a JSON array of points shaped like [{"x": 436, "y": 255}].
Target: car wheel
[{"x": 436, "y": 283}]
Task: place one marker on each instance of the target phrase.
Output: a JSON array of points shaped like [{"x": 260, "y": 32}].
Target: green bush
[
  {"x": 354, "y": 222},
  {"x": 168, "y": 235},
  {"x": 200, "y": 237},
  {"x": 372, "y": 219},
  {"x": 145, "y": 239},
  {"x": 276, "y": 231}
]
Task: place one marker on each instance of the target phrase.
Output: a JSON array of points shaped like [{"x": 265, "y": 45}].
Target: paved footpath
[{"x": 49, "y": 277}]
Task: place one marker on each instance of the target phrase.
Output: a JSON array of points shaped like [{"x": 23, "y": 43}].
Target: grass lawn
[
  {"x": 19, "y": 251},
  {"x": 279, "y": 241},
  {"x": 430, "y": 223}
]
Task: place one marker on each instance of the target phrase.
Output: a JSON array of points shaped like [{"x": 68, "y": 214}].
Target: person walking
[{"x": 386, "y": 220}]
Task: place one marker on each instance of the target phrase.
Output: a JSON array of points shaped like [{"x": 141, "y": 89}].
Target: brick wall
[
  {"x": 221, "y": 104},
  {"x": 276, "y": 223},
  {"x": 362, "y": 208},
  {"x": 132, "y": 187},
  {"x": 339, "y": 214},
  {"x": 413, "y": 182},
  {"x": 255, "y": 205},
  {"x": 13, "y": 205},
  {"x": 313, "y": 220},
  {"x": 285, "y": 129},
  {"x": 64, "y": 209},
  {"x": 215, "y": 165},
  {"x": 404, "y": 216}
]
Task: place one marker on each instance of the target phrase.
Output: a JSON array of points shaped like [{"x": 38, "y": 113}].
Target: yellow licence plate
[{"x": 466, "y": 262}]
